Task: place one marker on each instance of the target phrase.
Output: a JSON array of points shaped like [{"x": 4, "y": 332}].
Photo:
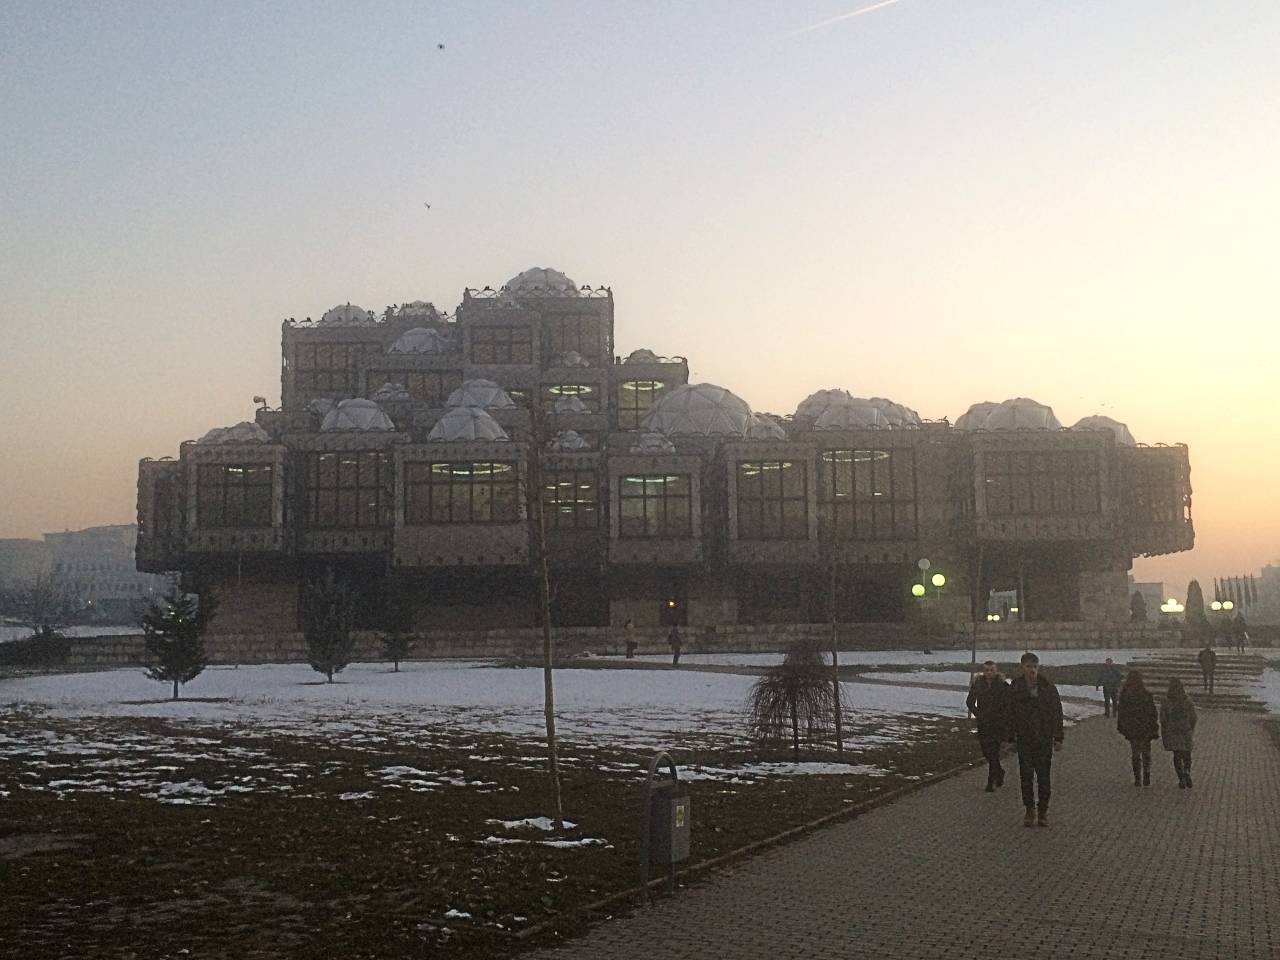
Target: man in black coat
[
  {"x": 1035, "y": 725},
  {"x": 988, "y": 701}
]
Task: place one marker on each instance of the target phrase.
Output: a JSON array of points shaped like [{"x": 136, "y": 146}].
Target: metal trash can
[{"x": 669, "y": 822}]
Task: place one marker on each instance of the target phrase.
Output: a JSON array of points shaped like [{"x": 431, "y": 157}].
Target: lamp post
[{"x": 921, "y": 591}]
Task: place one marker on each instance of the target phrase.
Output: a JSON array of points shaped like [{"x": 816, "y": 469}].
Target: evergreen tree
[
  {"x": 328, "y": 612},
  {"x": 174, "y": 629},
  {"x": 1194, "y": 612},
  {"x": 1138, "y": 608},
  {"x": 397, "y": 639}
]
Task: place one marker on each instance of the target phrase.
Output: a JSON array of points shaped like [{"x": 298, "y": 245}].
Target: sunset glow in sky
[{"x": 938, "y": 201}]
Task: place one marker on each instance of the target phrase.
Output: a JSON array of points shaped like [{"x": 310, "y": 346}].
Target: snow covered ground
[
  {"x": 1270, "y": 691},
  {"x": 915, "y": 657}
]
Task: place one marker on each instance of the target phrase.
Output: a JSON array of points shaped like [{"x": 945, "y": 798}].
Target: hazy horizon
[{"x": 937, "y": 202}]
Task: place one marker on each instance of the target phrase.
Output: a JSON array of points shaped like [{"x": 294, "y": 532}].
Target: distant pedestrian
[
  {"x": 1177, "y": 730},
  {"x": 676, "y": 642},
  {"x": 1208, "y": 664},
  {"x": 988, "y": 701},
  {"x": 1239, "y": 633},
  {"x": 1137, "y": 722},
  {"x": 629, "y": 635},
  {"x": 1109, "y": 680},
  {"x": 1035, "y": 725}
]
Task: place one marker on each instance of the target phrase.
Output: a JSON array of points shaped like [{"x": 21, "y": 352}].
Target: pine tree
[
  {"x": 1194, "y": 612},
  {"x": 174, "y": 627},
  {"x": 397, "y": 639},
  {"x": 328, "y": 612},
  {"x": 1138, "y": 608}
]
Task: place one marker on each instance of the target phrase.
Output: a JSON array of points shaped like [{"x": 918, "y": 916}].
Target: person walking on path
[
  {"x": 1035, "y": 725},
  {"x": 1109, "y": 680},
  {"x": 988, "y": 701},
  {"x": 1239, "y": 633},
  {"x": 629, "y": 636},
  {"x": 1177, "y": 730},
  {"x": 676, "y": 642},
  {"x": 1137, "y": 722},
  {"x": 1208, "y": 664}
]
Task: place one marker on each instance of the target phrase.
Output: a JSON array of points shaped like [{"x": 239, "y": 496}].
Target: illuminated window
[
  {"x": 351, "y": 489},
  {"x": 501, "y": 345},
  {"x": 635, "y": 397},
  {"x": 655, "y": 506},
  {"x": 868, "y": 494},
  {"x": 428, "y": 386},
  {"x": 479, "y": 492},
  {"x": 233, "y": 495},
  {"x": 585, "y": 392},
  {"x": 569, "y": 499},
  {"x": 1042, "y": 482},
  {"x": 772, "y": 501}
]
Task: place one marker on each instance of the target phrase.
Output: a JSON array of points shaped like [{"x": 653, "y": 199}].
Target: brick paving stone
[{"x": 1122, "y": 874}]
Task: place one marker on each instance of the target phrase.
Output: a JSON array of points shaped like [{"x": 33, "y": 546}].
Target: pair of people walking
[
  {"x": 1028, "y": 712},
  {"x": 1174, "y": 726}
]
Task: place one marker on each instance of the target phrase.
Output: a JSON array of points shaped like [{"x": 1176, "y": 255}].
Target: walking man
[
  {"x": 988, "y": 701},
  {"x": 676, "y": 642},
  {"x": 1208, "y": 664},
  {"x": 1109, "y": 680},
  {"x": 629, "y": 634},
  {"x": 1035, "y": 725}
]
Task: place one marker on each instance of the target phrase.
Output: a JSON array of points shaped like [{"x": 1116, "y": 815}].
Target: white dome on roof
[
  {"x": 568, "y": 440},
  {"x": 896, "y": 413},
  {"x": 541, "y": 280},
  {"x": 480, "y": 393},
  {"x": 699, "y": 410},
  {"x": 418, "y": 308},
  {"x": 642, "y": 355},
  {"x": 852, "y": 414},
  {"x": 419, "y": 340},
  {"x": 345, "y": 315},
  {"x": 246, "y": 431},
  {"x": 811, "y": 407},
  {"x": 357, "y": 414},
  {"x": 391, "y": 391},
  {"x": 1020, "y": 413},
  {"x": 466, "y": 423},
  {"x": 321, "y": 406},
  {"x": 570, "y": 405},
  {"x": 652, "y": 443},
  {"x": 1099, "y": 422},
  {"x": 765, "y": 427}
]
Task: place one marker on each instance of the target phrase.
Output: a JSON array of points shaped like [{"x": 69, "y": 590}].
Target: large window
[
  {"x": 1158, "y": 492},
  {"x": 584, "y": 334},
  {"x": 585, "y": 392},
  {"x": 328, "y": 368},
  {"x": 868, "y": 494},
  {"x": 352, "y": 489},
  {"x": 655, "y": 506},
  {"x": 483, "y": 492},
  {"x": 569, "y": 499},
  {"x": 635, "y": 397},
  {"x": 772, "y": 503},
  {"x": 1043, "y": 482},
  {"x": 429, "y": 386},
  {"x": 233, "y": 494},
  {"x": 501, "y": 345}
]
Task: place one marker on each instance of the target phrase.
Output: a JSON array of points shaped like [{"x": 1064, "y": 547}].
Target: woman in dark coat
[
  {"x": 1177, "y": 726},
  {"x": 1137, "y": 722}
]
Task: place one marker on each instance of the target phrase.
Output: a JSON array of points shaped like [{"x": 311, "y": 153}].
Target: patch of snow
[
  {"x": 533, "y": 823},
  {"x": 367, "y": 795}
]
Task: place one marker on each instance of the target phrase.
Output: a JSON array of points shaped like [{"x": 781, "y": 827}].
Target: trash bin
[{"x": 669, "y": 822}]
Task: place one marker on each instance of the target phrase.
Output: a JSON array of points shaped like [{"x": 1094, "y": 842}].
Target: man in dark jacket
[
  {"x": 1208, "y": 664},
  {"x": 1109, "y": 680},
  {"x": 1035, "y": 725},
  {"x": 988, "y": 701}
]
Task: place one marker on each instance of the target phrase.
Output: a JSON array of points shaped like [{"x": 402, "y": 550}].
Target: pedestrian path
[{"x": 950, "y": 872}]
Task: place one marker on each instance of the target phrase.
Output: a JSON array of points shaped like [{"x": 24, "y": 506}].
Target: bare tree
[
  {"x": 797, "y": 693},
  {"x": 47, "y": 602}
]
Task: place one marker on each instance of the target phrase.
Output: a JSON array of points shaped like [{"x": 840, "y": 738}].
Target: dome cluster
[
  {"x": 346, "y": 315},
  {"x": 466, "y": 423},
  {"x": 419, "y": 340},
  {"x": 537, "y": 280},
  {"x": 699, "y": 410},
  {"x": 1098, "y": 422},
  {"x": 356, "y": 414},
  {"x": 1020, "y": 413},
  {"x": 839, "y": 410},
  {"x": 246, "y": 431},
  {"x": 484, "y": 394}
]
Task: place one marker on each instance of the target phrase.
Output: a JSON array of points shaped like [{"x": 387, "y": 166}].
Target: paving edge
[{"x": 741, "y": 853}]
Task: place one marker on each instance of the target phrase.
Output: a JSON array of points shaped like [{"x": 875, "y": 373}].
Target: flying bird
[
  {"x": 427, "y": 205},
  {"x": 845, "y": 16},
  {"x": 439, "y": 46}
]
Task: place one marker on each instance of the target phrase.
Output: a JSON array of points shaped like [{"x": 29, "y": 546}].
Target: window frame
[
  {"x": 766, "y": 510},
  {"x": 877, "y": 503},
  {"x": 580, "y": 514},
  {"x": 433, "y": 497},
  {"x": 656, "y": 506},
  {"x": 497, "y": 345},
  {"x": 346, "y": 494},
  {"x": 214, "y": 499}
]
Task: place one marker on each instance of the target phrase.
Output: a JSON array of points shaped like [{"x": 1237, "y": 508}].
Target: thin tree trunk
[
  {"x": 835, "y": 656},
  {"x": 175, "y": 689},
  {"x": 795, "y": 732}
]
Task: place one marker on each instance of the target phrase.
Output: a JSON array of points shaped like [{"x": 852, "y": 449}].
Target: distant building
[
  {"x": 1266, "y": 610},
  {"x": 1152, "y": 592},
  {"x": 402, "y": 449},
  {"x": 99, "y": 566},
  {"x": 21, "y": 560}
]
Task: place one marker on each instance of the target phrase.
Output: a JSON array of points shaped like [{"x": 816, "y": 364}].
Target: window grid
[
  {"x": 583, "y": 334},
  {"x": 461, "y": 492},
  {"x": 772, "y": 500},
  {"x": 635, "y": 397},
  {"x": 501, "y": 345},
  {"x": 585, "y": 392},
  {"x": 428, "y": 386},
  {"x": 569, "y": 499},
  {"x": 1157, "y": 494},
  {"x": 655, "y": 506},
  {"x": 328, "y": 367},
  {"x": 1042, "y": 483},
  {"x": 868, "y": 494},
  {"x": 350, "y": 489},
  {"x": 234, "y": 495}
]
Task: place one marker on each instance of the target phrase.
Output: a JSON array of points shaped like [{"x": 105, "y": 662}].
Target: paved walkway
[{"x": 950, "y": 872}]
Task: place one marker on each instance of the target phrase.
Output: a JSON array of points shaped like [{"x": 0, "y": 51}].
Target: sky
[{"x": 937, "y": 201}]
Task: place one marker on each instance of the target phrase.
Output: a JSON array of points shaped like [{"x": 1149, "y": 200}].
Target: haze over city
[{"x": 937, "y": 202}]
